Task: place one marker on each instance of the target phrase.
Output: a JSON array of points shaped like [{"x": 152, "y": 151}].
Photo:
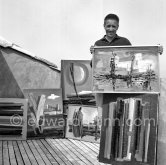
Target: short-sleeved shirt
[{"x": 117, "y": 41}]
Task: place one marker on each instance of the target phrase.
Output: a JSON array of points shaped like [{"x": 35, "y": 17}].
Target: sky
[{"x": 65, "y": 29}]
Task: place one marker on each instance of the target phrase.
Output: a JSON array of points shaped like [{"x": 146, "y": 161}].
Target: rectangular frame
[
  {"x": 76, "y": 77},
  {"x": 150, "y": 104},
  {"x": 126, "y": 69},
  {"x": 45, "y": 113},
  {"x": 15, "y": 120},
  {"x": 84, "y": 123}
]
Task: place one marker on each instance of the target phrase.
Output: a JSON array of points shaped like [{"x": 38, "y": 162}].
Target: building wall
[{"x": 27, "y": 72}]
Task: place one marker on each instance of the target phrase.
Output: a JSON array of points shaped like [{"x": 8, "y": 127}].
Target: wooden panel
[
  {"x": 92, "y": 147},
  {"x": 72, "y": 157},
  {"x": 67, "y": 155},
  {"x": 79, "y": 151},
  {"x": 29, "y": 153},
  {"x": 58, "y": 152},
  {"x": 44, "y": 157},
  {"x": 35, "y": 152},
  {"x": 17, "y": 153},
  {"x": 53, "y": 153},
  {"x": 47, "y": 153},
  {"x": 23, "y": 153},
  {"x": 11, "y": 153},
  {"x": 5, "y": 153},
  {"x": 85, "y": 148}
]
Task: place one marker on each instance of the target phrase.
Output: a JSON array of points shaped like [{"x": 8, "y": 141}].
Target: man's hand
[
  {"x": 160, "y": 49},
  {"x": 92, "y": 49}
]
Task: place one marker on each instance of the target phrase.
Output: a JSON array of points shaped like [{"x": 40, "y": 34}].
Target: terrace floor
[{"x": 49, "y": 151}]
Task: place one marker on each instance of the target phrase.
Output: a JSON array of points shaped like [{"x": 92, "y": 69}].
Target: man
[{"x": 111, "y": 25}]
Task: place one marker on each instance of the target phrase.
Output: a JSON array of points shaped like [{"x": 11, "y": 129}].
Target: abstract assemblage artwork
[
  {"x": 125, "y": 69},
  {"x": 129, "y": 129},
  {"x": 84, "y": 123},
  {"x": 45, "y": 113}
]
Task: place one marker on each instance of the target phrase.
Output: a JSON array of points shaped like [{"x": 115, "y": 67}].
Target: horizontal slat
[
  {"x": 15, "y": 121},
  {"x": 10, "y": 125},
  {"x": 10, "y": 104},
  {"x": 10, "y": 117},
  {"x": 10, "y": 137},
  {"x": 11, "y": 112}
]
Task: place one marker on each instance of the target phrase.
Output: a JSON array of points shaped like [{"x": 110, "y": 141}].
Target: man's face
[{"x": 111, "y": 26}]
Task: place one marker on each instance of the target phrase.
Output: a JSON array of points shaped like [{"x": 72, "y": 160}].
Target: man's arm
[{"x": 91, "y": 51}]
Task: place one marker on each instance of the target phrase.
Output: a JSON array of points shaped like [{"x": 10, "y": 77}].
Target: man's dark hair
[{"x": 111, "y": 16}]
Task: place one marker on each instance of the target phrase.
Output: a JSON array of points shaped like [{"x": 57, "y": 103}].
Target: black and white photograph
[{"x": 68, "y": 67}]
